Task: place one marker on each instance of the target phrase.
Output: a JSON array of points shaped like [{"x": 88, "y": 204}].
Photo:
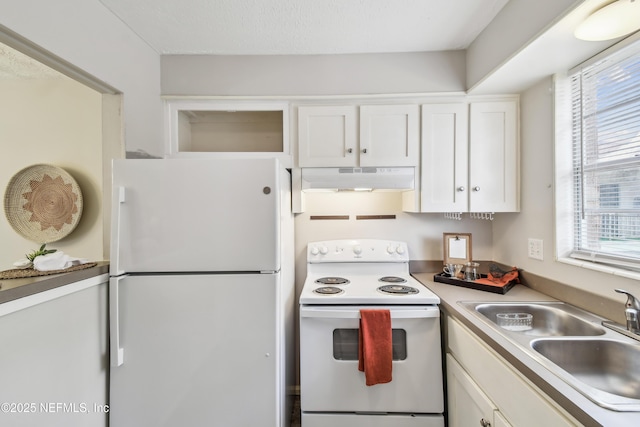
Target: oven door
[{"x": 329, "y": 377}]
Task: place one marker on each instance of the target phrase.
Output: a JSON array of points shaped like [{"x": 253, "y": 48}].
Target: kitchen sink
[
  {"x": 571, "y": 343},
  {"x": 549, "y": 318},
  {"x": 606, "y": 365}
]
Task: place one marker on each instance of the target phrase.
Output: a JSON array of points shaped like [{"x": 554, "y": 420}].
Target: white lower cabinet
[
  {"x": 468, "y": 405},
  {"x": 499, "y": 420},
  {"x": 54, "y": 358},
  {"x": 481, "y": 385}
]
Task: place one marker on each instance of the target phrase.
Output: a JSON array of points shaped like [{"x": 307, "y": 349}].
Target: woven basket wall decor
[{"x": 43, "y": 203}]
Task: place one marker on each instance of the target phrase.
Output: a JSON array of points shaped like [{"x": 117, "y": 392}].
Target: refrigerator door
[
  {"x": 196, "y": 351},
  {"x": 196, "y": 215}
]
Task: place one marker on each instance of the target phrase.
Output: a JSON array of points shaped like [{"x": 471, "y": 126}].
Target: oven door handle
[{"x": 354, "y": 313}]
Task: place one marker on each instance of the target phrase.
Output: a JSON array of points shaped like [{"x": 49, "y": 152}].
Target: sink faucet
[{"x": 631, "y": 312}]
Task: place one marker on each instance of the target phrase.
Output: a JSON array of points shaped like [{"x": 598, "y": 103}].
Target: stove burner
[
  {"x": 397, "y": 290},
  {"x": 328, "y": 290},
  {"x": 392, "y": 279},
  {"x": 332, "y": 281}
]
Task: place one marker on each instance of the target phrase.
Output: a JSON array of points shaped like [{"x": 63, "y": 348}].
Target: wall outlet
[{"x": 535, "y": 249}]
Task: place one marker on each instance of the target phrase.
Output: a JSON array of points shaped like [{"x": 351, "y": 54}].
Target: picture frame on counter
[{"x": 456, "y": 248}]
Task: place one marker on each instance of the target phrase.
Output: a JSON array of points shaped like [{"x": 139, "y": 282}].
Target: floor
[{"x": 295, "y": 416}]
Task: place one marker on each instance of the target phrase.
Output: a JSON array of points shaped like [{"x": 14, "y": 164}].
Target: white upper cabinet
[
  {"x": 389, "y": 135},
  {"x": 327, "y": 136},
  {"x": 445, "y": 154},
  {"x": 470, "y": 157},
  {"x": 202, "y": 127},
  {"x": 352, "y": 136},
  {"x": 494, "y": 157}
]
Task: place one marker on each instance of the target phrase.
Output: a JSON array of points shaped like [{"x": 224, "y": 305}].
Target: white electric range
[
  {"x": 343, "y": 277},
  {"x": 361, "y": 272}
]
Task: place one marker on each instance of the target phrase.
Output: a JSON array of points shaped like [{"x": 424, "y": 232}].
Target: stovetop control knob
[
  {"x": 324, "y": 250},
  {"x": 390, "y": 249},
  {"x": 400, "y": 249},
  {"x": 357, "y": 250},
  {"x": 314, "y": 250}
]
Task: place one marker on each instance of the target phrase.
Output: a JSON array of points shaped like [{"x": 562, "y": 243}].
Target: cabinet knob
[
  {"x": 460, "y": 188},
  {"x": 476, "y": 188},
  {"x": 364, "y": 151},
  {"x": 484, "y": 423},
  {"x": 349, "y": 150}
]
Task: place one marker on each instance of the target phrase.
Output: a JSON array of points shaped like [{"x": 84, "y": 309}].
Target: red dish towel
[
  {"x": 501, "y": 279},
  {"x": 375, "y": 352}
]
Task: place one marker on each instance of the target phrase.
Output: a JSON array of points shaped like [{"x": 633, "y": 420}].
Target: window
[
  {"x": 605, "y": 160},
  {"x": 346, "y": 344}
]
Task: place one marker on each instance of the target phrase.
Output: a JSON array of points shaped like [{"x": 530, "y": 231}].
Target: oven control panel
[{"x": 358, "y": 250}]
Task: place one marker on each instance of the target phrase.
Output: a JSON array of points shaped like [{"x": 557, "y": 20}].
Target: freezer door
[
  {"x": 176, "y": 215},
  {"x": 197, "y": 350}
]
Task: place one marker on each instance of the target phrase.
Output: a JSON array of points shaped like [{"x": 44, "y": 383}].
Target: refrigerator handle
[
  {"x": 119, "y": 199},
  {"x": 117, "y": 352}
]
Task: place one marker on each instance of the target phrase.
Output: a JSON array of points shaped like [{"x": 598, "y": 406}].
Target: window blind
[{"x": 605, "y": 103}]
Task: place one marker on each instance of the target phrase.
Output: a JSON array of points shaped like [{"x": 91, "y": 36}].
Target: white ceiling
[
  {"x": 288, "y": 27},
  {"x": 302, "y": 27}
]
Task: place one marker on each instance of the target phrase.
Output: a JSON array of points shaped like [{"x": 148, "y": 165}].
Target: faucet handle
[{"x": 632, "y": 302}]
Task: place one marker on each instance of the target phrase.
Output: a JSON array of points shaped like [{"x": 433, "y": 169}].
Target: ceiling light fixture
[{"x": 614, "y": 20}]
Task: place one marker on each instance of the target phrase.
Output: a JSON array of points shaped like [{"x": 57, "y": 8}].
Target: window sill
[{"x": 603, "y": 268}]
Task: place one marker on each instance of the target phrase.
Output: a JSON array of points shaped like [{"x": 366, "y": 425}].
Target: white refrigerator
[{"x": 201, "y": 293}]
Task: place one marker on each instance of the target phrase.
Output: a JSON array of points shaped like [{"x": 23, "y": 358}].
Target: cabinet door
[
  {"x": 389, "y": 135},
  {"x": 494, "y": 157},
  {"x": 516, "y": 398},
  {"x": 500, "y": 420},
  {"x": 54, "y": 350},
  {"x": 445, "y": 151},
  {"x": 327, "y": 136},
  {"x": 467, "y": 404}
]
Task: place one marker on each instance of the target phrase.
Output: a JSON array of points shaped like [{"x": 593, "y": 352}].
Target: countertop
[
  {"x": 579, "y": 406},
  {"x": 12, "y": 289}
]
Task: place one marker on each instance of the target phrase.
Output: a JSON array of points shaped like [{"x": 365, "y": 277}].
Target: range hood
[{"x": 354, "y": 179}]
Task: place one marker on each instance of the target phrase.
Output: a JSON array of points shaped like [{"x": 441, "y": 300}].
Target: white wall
[
  {"x": 536, "y": 219},
  {"x": 58, "y": 122},
  {"x": 85, "y": 34},
  {"x": 422, "y": 232},
  {"x": 277, "y": 75},
  {"x": 516, "y": 25}
]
